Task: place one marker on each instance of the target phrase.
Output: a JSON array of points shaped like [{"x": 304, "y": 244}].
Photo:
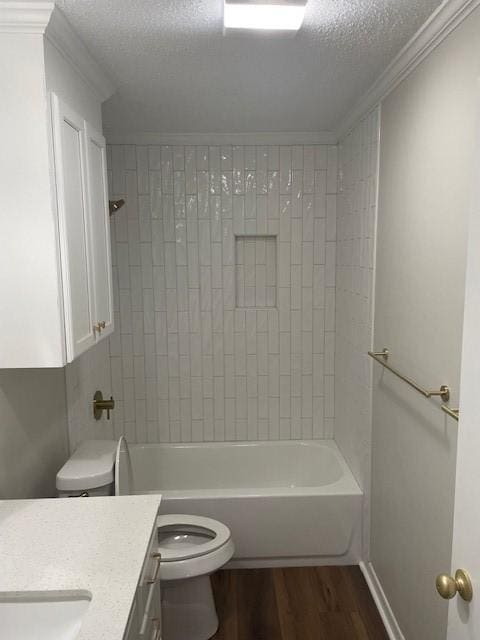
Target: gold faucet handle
[
  {"x": 109, "y": 406},
  {"x": 100, "y": 405}
]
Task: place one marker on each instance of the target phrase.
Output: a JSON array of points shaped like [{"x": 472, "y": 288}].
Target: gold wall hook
[
  {"x": 448, "y": 587},
  {"x": 100, "y": 405}
]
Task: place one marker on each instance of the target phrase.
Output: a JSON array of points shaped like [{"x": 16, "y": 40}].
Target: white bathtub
[{"x": 281, "y": 500}]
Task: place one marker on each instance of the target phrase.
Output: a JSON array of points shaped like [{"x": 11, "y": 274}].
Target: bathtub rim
[{"x": 346, "y": 485}]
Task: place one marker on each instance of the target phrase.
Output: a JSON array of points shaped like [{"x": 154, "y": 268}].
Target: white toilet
[{"x": 191, "y": 547}]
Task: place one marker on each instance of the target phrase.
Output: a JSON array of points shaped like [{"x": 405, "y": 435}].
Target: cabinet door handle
[
  {"x": 99, "y": 326},
  {"x": 152, "y": 593},
  {"x": 156, "y": 571},
  {"x": 157, "y": 629}
]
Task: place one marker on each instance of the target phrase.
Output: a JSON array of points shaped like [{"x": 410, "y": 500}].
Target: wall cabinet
[
  {"x": 83, "y": 224},
  {"x": 55, "y": 273},
  {"x": 99, "y": 230}
]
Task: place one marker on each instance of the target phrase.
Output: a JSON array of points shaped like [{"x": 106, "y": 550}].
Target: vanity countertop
[{"x": 89, "y": 544}]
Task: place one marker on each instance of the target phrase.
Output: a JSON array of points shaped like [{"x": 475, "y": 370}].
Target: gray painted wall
[
  {"x": 427, "y": 137},
  {"x": 32, "y": 431}
]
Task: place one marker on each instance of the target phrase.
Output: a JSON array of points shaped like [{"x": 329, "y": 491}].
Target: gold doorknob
[{"x": 448, "y": 587}]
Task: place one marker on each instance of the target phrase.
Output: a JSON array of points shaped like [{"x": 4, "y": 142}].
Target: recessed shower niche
[{"x": 255, "y": 272}]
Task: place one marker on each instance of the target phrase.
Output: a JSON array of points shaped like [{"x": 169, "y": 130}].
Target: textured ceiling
[{"x": 177, "y": 73}]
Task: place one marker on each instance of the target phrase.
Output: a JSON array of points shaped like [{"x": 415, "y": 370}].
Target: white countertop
[{"x": 70, "y": 544}]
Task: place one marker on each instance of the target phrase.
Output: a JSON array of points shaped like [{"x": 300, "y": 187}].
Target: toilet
[{"x": 191, "y": 547}]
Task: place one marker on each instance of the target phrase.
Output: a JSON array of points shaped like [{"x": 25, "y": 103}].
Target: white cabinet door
[
  {"x": 99, "y": 231},
  {"x": 70, "y": 172}
]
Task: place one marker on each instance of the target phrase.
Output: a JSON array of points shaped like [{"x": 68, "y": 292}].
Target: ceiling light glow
[{"x": 270, "y": 17}]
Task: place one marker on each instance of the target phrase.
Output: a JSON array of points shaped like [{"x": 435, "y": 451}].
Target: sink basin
[{"x": 45, "y": 615}]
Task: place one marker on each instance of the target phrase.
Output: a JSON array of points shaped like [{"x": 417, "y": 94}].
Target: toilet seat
[
  {"x": 191, "y": 546},
  {"x": 213, "y": 534}
]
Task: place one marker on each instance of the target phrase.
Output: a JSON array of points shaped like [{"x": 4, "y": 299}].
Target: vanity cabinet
[
  {"x": 145, "y": 621},
  {"x": 83, "y": 224}
]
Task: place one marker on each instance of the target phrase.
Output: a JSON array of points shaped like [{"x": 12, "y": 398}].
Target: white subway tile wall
[
  {"x": 202, "y": 350},
  {"x": 355, "y": 249},
  {"x": 255, "y": 272}
]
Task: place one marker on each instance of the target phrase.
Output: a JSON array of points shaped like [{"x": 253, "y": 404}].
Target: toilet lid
[
  {"x": 90, "y": 466},
  {"x": 196, "y": 528}
]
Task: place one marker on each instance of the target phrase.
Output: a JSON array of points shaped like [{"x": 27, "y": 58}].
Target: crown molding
[
  {"x": 61, "y": 35},
  {"x": 25, "y": 17},
  {"x": 441, "y": 23},
  {"x": 218, "y": 139}
]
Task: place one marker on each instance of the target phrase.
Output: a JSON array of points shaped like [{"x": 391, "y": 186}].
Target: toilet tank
[{"x": 89, "y": 471}]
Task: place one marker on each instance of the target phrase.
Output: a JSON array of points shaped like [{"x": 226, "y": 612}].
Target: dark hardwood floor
[{"x": 307, "y": 603}]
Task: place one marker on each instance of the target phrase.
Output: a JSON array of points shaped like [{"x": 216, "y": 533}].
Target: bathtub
[{"x": 281, "y": 500}]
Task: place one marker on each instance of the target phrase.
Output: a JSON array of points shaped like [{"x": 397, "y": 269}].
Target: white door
[
  {"x": 100, "y": 231},
  {"x": 463, "y": 617},
  {"x": 70, "y": 172}
]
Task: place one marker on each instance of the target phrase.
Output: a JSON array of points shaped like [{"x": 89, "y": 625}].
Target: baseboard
[
  {"x": 300, "y": 561},
  {"x": 391, "y": 625}
]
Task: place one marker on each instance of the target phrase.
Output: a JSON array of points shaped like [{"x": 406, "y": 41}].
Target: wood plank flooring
[{"x": 307, "y": 603}]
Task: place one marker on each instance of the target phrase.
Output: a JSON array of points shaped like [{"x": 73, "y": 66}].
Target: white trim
[
  {"x": 25, "y": 17},
  {"x": 262, "y": 138},
  {"x": 366, "y": 542},
  {"x": 384, "y": 609},
  {"x": 61, "y": 35},
  {"x": 441, "y": 23}
]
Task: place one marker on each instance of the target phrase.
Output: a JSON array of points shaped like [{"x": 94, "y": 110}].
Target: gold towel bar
[
  {"x": 453, "y": 413},
  {"x": 382, "y": 356}
]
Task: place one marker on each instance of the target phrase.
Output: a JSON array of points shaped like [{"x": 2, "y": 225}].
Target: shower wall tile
[
  {"x": 356, "y": 212},
  {"x": 224, "y": 272},
  {"x": 256, "y": 271}
]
